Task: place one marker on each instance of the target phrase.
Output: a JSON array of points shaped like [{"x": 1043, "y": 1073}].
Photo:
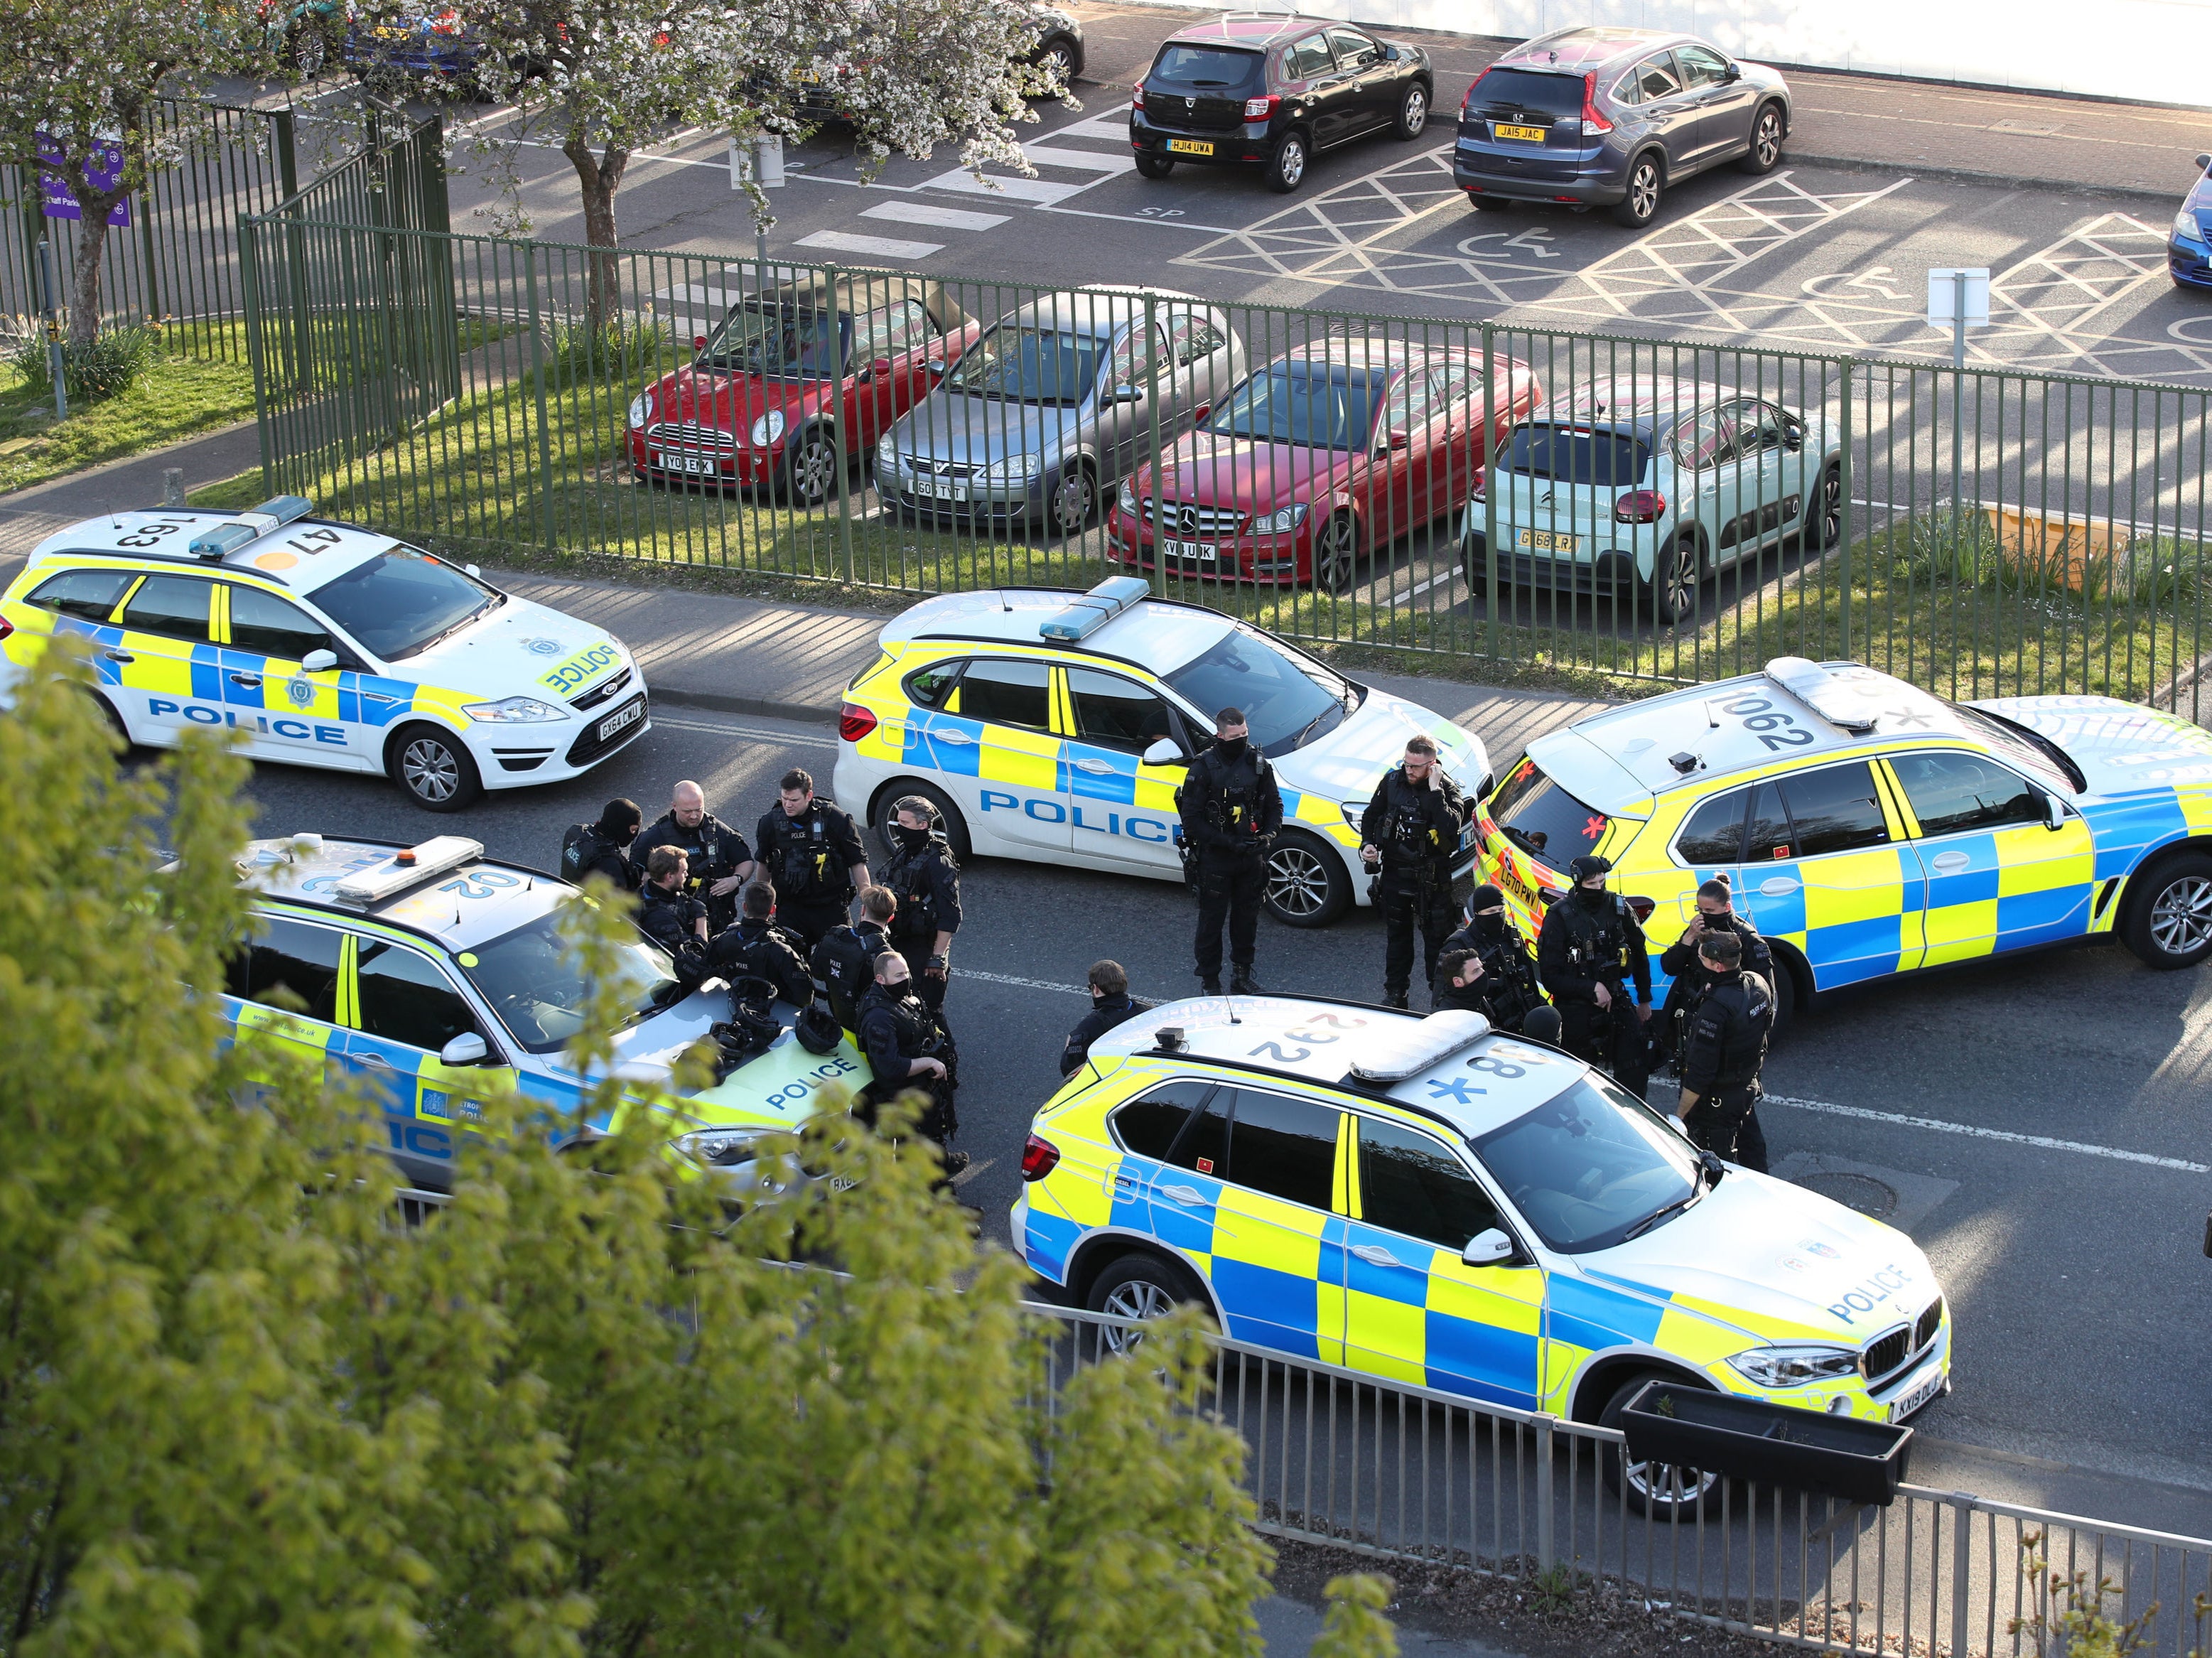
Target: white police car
[{"x": 326, "y": 645}]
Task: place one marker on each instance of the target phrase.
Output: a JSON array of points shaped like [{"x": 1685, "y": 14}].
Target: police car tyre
[
  {"x": 1660, "y": 1490},
  {"x": 810, "y": 466},
  {"x": 1140, "y": 1284},
  {"x": 1785, "y": 995},
  {"x": 2168, "y": 924},
  {"x": 948, "y": 820},
  {"x": 433, "y": 768},
  {"x": 112, "y": 719},
  {"x": 1308, "y": 885},
  {"x": 1154, "y": 166},
  {"x": 1673, "y": 589},
  {"x": 1336, "y": 553}
]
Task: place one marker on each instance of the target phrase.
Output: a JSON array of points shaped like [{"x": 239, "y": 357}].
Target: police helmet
[
  {"x": 817, "y": 1029},
  {"x": 1588, "y": 864}
]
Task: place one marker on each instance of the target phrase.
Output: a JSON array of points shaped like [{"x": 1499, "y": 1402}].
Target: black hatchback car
[{"x": 1273, "y": 91}]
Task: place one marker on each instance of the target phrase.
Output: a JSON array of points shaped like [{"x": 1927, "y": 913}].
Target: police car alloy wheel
[
  {"x": 1660, "y": 1490},
  {"x": 1307, "y": 885},
  {"x": 436, "y": 771},
  {"x": 2169, "y": 924},
  {"x": 1140, "y": 1286},
  {"x": 948, "y": 820}
]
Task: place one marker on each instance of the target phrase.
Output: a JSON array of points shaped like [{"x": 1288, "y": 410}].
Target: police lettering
[
  {"x": 293, "y": 730},
  {"x": 1870, "y": 1292},
  {"x": 577, "y": 669},
  {"x": 1150, "y": 830}
]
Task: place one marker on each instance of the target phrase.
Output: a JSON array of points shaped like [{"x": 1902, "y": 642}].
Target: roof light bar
[
  {"x": 1401, "y": 1052},
  {"x": 1843, "y": 695},
  {"x": 409, "y": 867},
  {"x": 1094, "y": 609},
  {"x": 247, "y": 528}
]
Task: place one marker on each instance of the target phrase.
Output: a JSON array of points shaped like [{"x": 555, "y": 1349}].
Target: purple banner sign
[{"x": 101, "y": 172}]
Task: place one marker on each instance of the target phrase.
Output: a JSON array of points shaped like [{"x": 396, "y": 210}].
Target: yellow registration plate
[
  {"x": 1549, "y": 541},
  {"x": 1519, "y": 889},
  {"x": 1530, "y": 135},
  {"x": 1190, "y": 147}
]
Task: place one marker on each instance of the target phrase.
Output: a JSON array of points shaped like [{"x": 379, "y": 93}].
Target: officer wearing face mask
[
  {"x": 1231, "y": 812},
  {"x": 1588, "y": 949},
  {"x": 923, "y": 875},
  {"x": 1111, "y": 1005},
  {"x": 1508, "y": 976},
  {"x": 907, "y": 1048},
  {"x": 1690, "y": 978},
  {"x": 1411, "y": 831}
]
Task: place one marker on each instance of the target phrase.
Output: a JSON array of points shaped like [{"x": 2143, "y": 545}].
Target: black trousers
[
  {"x": 1405, "y": 907},
  {"x": 1229, "y": 890},
  {"x": 1612, "y": 1039},
  {"x": 917, "y": 953},
  {"x": 1716, "y": 1124},
  {"x": 812, "y": 918}
]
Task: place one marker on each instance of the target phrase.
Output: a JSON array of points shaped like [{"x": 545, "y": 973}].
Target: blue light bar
[
  {"x": 1094, "y": 609},
  {"x": 247, "y": 528}
]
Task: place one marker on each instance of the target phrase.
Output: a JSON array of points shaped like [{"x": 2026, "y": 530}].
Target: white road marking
[
  {"x": 1087, "y": 161},
  {"x": 1021, "y": 984},
  {"x": 1111, "y": 124},
  {"x": 946, "y": 218},
  {"x": 888, "y": 247},
  {"x": 753, "y": 733},
  {"x": 962, "y": 182},
  {"x": 2043, "y": 1141}
]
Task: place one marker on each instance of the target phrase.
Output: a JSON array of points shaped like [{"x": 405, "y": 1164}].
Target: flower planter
[{"x": 1771, "y": 1444}]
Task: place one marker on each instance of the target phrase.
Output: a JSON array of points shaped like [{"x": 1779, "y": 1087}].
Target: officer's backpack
[
  {"x": 844, "y": 961},
  {"x": 580, "y": 846}
]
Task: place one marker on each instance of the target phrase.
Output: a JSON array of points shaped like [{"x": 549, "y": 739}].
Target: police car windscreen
[
  {"x": 1578, "y": 455},
  {"x": 1542, "y": 819},
  {"x": 1315, "y": 405},
  {"x": 401, "y": 602},
  {"x": 1590, "y": 1166},
  {"x": 1286, "y": 700},
  {"x": 535, "y": 983},
  {"x": 1028, "y": 365}
]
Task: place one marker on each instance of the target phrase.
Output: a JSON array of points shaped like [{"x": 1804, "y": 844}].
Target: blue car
[{"x": 2188, "y": 256}]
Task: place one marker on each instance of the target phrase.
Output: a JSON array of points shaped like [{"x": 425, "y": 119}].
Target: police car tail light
[
  {"x": 1641, "y": 908},
  {"x": 409, "y": 866},
  {"x": 249, "y": 527},
  {"x": 1095, "y": 609},
  {"x": 1640, "y": 506},
  {"x": 1039, "y": 1158},
  {"x": 1402, "y": 1051},
  {"x": 854, "y": 722}
]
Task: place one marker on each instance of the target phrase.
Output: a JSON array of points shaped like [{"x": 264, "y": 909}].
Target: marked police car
[
  {"x": 1055, "y": 726},
  {"x": 1868, "y": 827},
  {"x": 1429, "y": 1202},
  {"x": 326, "y": 645},
  {"x": 433, "y": 974}
]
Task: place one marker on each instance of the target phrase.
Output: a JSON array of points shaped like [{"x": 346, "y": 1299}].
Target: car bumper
[
  {"x": 675, "y": 464},
  {"x": 1236, "y": 147},
  {"x": 1482, "y": 174},
  {"x": 980, "y": 503},
  {"x": 1586, "y": 574},
  {"x": 1898, "y": 1400},
  {"x": 2189, "y": 262},
  {"x": 1278, "y": 560}
]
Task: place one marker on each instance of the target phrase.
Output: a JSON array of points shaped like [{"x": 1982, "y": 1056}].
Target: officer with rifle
[
  {"x": 1411, "y": 831},
  {"x": 1508, "y": 976},
  {"x": 907, "y": 1047},
  {"x": 1588, "y": 949},
  {"x": 1231, "y": 812}
]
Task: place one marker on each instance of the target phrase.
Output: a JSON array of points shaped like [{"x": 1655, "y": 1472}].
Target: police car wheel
[
  {"x": 948, "y": 815},
  {"x": 1138, "y": 1286},
  {"x": 2168, "y": 924},
  {"x": 432, "y": 768},
  {"x": 113, "y": 720},
  {"x": 1308, "y": 885},
  {"x": 1664, "y": 1490}
]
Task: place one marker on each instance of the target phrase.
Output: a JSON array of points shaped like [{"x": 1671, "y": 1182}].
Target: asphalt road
[{"x": 2058, "y": 1167}]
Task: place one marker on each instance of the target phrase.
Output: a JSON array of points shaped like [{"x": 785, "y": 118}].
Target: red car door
[
  {"x": 1397, "y": 486},
  {"x": 1456, "y": 430}
]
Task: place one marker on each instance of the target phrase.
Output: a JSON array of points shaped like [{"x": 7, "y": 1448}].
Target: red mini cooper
[
  {"x": 1328, "y": 453},
  {"x": 762, "y": 402}
]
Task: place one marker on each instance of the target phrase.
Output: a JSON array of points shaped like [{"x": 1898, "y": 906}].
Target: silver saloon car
[{"x": 1053, "y": 405}]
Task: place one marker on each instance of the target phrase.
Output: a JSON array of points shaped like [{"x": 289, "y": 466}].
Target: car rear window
[
  {"x": 1527, "y": 92},
  {"x": 1579, "y": 454},
  {"x": 1542, "y": 819},
  {"x": 1208, "y": 66}
]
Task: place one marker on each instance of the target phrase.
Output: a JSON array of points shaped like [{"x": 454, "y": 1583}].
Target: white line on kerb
[{"x": 2042, "y": 1140}]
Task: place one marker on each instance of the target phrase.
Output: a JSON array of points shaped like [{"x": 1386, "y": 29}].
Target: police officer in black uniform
[
  {"x": 811, "y": 851},
  {"x": 924, "y": 878},
  {"x": 1509, "y": 974},
  {"x": 845, "y": 960},
  {"x": 1715, "y": 914},
  {"x": 757, "y": 946},
  {"x": 1464, "y": 986},
  {"x": 720, "y": 861},
  {"x": 604, "y": 851},
  {"x": 1724, "y": 1047},
  {"x": 667, "y": 914},
  {"x": 1110, "y": 1004},
  {"x": 1231, "y": 811},
  {"x": 907, "y": 1047},
  {"x": 1588, "y": 949},
  {"x": 1411, "y": 833}
]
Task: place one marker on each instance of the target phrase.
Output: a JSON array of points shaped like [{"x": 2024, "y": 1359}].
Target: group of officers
[{"x": 1713, "y": 1027}]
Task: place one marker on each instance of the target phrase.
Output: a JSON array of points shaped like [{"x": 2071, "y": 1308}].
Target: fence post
[
  {"x": 288, "y": 153},
  {"x": 1962, "y": 1538},
  {"x": 250, "y": 293},
  {"x": 1544, "y": 1526},
  {"x": 537, "y": 373},
  {"x": 839, "y": 368},
  {"x": 1152, "y": 409},
  {"x": 1489, "y": 491},
  {"x": 1844, "y": 532}
]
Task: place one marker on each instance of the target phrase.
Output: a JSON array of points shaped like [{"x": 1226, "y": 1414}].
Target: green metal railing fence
[{"x": 1982, "y": 532}]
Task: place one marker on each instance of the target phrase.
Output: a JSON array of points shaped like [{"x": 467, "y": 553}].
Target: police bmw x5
[
  {"x": 434, "y": 976},
  {"x": 328, "y": 645},
  {"x": 1056, "y": 726},
  {"x": 1430, "y": 1202}
]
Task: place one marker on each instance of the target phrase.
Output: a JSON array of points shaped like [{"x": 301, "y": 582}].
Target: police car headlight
[
  {"x": 1282, "y": 523},
  {"x": 767, "y": 429},
  {"x": 640, "y": 410},
  {"x": 1353, "y": 812},
  {"x": 515, "y": 711},
  {"x": 1793, "y": 1367},
  {"x": 1015, "y": 469},
  {"x": 724, "y": 1148}
]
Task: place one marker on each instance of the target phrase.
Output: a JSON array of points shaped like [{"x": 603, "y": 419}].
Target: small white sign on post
[{"x": 1958, "y": 299}]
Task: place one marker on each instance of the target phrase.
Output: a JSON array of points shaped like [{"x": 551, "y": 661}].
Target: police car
[
  {"x": 433, "y": 975},
  {"x": 1055, "y": 726},
  {"x": 1429, "y": 1202},
  {"x": 326, "y": 645},
  {"x": 1868, "y": 827}
]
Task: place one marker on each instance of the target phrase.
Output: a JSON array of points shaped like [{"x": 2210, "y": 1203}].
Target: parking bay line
[
  {"x": 888, "y": 247},
  {"x": 2044, "y": 1142},
  {"x": 944, "y": 218}
]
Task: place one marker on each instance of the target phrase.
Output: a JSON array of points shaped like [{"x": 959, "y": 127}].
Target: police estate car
[
  {"x": 326, "y": 645},
  {"x": 1870, "y": 827},
  {"x": 1056, "y": 726},
  {"x": 1429, "y": 1202},
  {"x": 432, "y": 973}
]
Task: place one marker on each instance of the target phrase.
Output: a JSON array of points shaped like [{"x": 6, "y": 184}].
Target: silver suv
[
  {"x": 1611, "y": 117},
  {"x": 1057, "y": 401}
]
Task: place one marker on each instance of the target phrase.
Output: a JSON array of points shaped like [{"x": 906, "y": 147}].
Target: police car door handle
[
  {"x": 377, "y": 1061},
  {"x": 1376, "y": 1255},
  {"x": 118, "y": 656},
  {"x": 1187, "y": 1194},
  {"x": 1948, "y": 861},
  {"x": 1096, "y": 768},
  {"x": 948, "y": 735},
  {"x": 1778, "y": 886},
  {"x": 248, "y": 681}
]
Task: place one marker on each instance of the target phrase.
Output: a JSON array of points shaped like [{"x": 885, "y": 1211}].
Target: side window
[
  {"x": 1655, "y": 78},
  {"x": 1008, "y": 694},
  {"x": 930, "y": 686},
  {"x": 1149, "y": 1126},
  {"x": 1705, "y": 441},
  {"x": 1115, "y": 711},
  {"x": 1353, "y": 49},
  {"x": 1757, "y": 427},
  {"x": 1203, "y": 1147},
  {"x": 1413, "y": 1184},
  {"x": 1835, "y": 810},
  {"x": 175, "y": 606},
  {"x": 1767, "y": 836},
  {"x": 1408, "y": 404},
  {"x": 404, "y": 998},
  {"x": 1950, "y": 792},
  {"x": 1195, "y": 338},
  {"x": 88, "y": 595},
  {"x": 897, "y": 328},
  {"x": 1714, "y": 833},
  {"x": 266, "y": 625},
  {"x": 1130, "y": 363},
  {"x": 290, "y": 964},
  {"x": 1701, "y": 67},
  {"x": 1308, "y": 58},
  {"x": 1449, "y": 386},
  {"x": 1283, "y": 1147}
]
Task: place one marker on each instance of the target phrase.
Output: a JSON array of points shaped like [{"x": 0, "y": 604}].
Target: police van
[{"x": 326, "y": 644}]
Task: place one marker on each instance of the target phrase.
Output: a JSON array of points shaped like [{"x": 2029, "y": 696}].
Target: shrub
[{"x": 111, "y": 362}]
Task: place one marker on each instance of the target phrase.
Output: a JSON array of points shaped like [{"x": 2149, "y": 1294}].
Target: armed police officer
[
  {"x": 907, "y": 1047},
  {"x": 603, "y": 848},
  {"x": 1724, "y": 1047},
  {"x": 845, "y": 960},
  {"x": 925, "y": 878},
  {"x": 1111, "y": 1005},
  {"x": 1588, "y": 949},
  {"x": 1410, "y": 832},
  {"x": 756, "y": 946},
  {"x": 1716, "y": 914},
  {"x": 667, "y": 914},
  {"x": 811, "y": 851},
  {"x": 1509, "y": 977},
  {"x": 719, "y": 860},
  {"x": 1231, "y": 812}
]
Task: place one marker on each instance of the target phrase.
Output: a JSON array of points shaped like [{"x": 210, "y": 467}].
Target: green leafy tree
[{"x": 1355, "y": 1626}]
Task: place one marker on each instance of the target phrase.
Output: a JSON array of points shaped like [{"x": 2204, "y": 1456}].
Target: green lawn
[{"x": 185, "y": 393}]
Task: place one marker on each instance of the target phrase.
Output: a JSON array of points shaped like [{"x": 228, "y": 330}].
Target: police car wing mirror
[
  {"x": 467, "y": 1048},
  {"x": 2204, "y": 163},
  {"x": 1164, "y": 752},
  {"x": 2054, "y": 812},
  {"x": 319, "y": 661},
  {"x": 1494, "y": 1248}
]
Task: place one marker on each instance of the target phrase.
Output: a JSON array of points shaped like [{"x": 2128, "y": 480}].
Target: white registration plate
[
  {"x": 942, "y": 488},
  {"x": 621, "y": 721},
  {"x": 699, "y": 463},
  {"x": 1467, "y": 837},
  {"x": 1906, "y": 1404},
  {"x": 1548, "y": 541},
  {"x": 1204, "y": 551}
]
